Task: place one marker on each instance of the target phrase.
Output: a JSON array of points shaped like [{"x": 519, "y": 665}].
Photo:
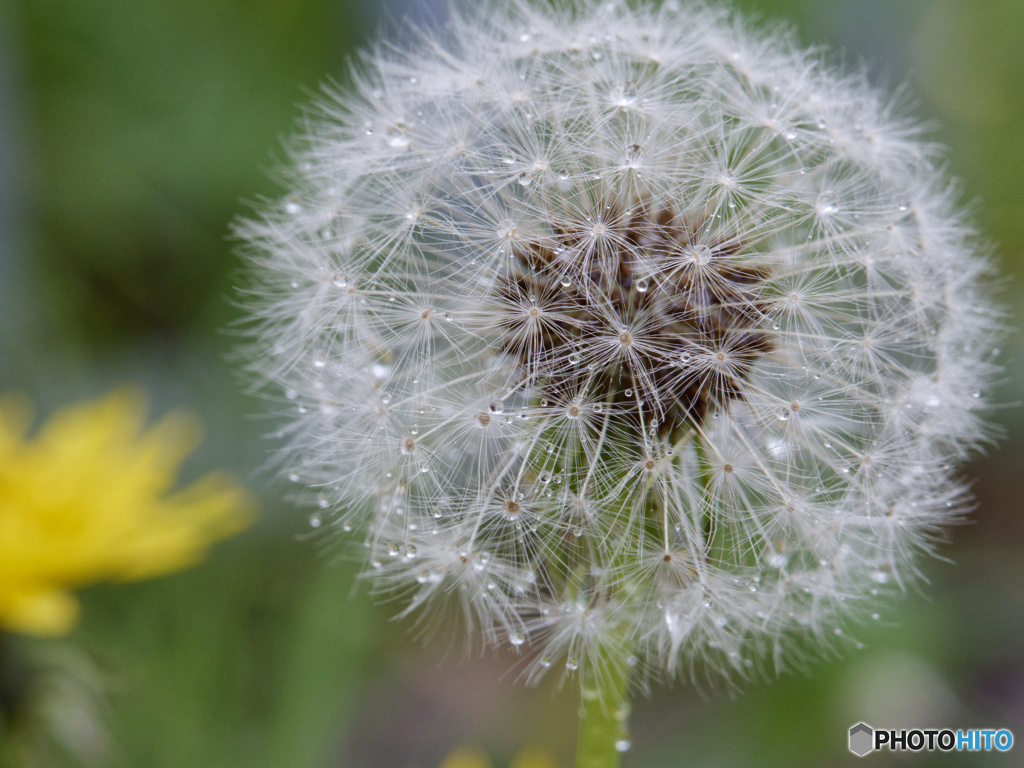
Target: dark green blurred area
[{"x": 131, "y": 132}]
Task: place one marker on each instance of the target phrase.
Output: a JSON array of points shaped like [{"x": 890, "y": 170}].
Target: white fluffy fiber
[{"x": 521, "y": 453}]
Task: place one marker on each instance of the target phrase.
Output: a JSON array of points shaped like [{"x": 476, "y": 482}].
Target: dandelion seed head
[{"x": 624, "y": 322}]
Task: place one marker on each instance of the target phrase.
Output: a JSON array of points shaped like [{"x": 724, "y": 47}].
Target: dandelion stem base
[{"x": 604, "y": 711}]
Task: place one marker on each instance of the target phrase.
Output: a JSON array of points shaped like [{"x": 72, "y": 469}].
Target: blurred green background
[{"x": 131, "y": 133}]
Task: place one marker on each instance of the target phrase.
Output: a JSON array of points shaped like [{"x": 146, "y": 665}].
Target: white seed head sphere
[{"x": 612, "y": 325}]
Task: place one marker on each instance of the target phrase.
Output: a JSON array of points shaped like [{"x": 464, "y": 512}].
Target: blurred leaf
[
  {"x": 329, "y": 648},
  {"x": 971, "y": 67},
  {"x": 149, "y": 121},
  {"x": 253, "y": 659}
]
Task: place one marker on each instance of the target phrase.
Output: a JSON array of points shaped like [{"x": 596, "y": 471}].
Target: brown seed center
[{"x": 589, "y": 278}]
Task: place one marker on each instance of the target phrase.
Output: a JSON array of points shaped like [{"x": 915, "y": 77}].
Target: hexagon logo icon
[{"x": 862, "y": 737}]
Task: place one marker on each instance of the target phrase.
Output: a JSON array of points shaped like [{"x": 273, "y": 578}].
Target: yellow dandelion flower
[
  {"x": 534, "y": 757},
  {"x": 466, "y": 758},
  {"x": 90, "y": 498}
]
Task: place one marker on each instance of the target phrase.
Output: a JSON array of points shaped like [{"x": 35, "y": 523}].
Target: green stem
[{"x": 604, "y": 709}]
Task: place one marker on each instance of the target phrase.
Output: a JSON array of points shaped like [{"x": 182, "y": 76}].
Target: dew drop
[
  {"x": 410, "y": 551},
  {"x": 507, "y": 231},
  {"x": 545, "y": 661},
  {"x": 880, "y": 577},
  {"x": 517, "y": 638},
  {"x": 828, "y": 204},
  {"x": 292, "y": 208},
  {"x": 574, "y": 358},
  {"x": 397, "y": 138},
  {"x": 778, "y": 560},
  {"x": 634, "y": 154},
  {"x": 623, "y": 745},
  {"x": 497, "y": 407},
  {"x": 393, "y": 549},
  {"x": 572, "y": 664},
  {"x": 566, "y": 282},
  {"x": 699, "y": 254},
  {"x": 782, "y": 414},
  {"x": 524, "y": 179},
  {"x": 628, "y": 93},
  {"x": 316, "y": 520},
  {"x": 643, "y": 284},
  {"x": 628, "y": 393}
]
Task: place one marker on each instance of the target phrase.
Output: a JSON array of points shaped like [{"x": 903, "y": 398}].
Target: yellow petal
[
  {"x": 533, "y": 757},
  {"x": 90, "y": 498},
  {"x": 46, "y": 613},
  {"x": 466, "y": 758}
]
